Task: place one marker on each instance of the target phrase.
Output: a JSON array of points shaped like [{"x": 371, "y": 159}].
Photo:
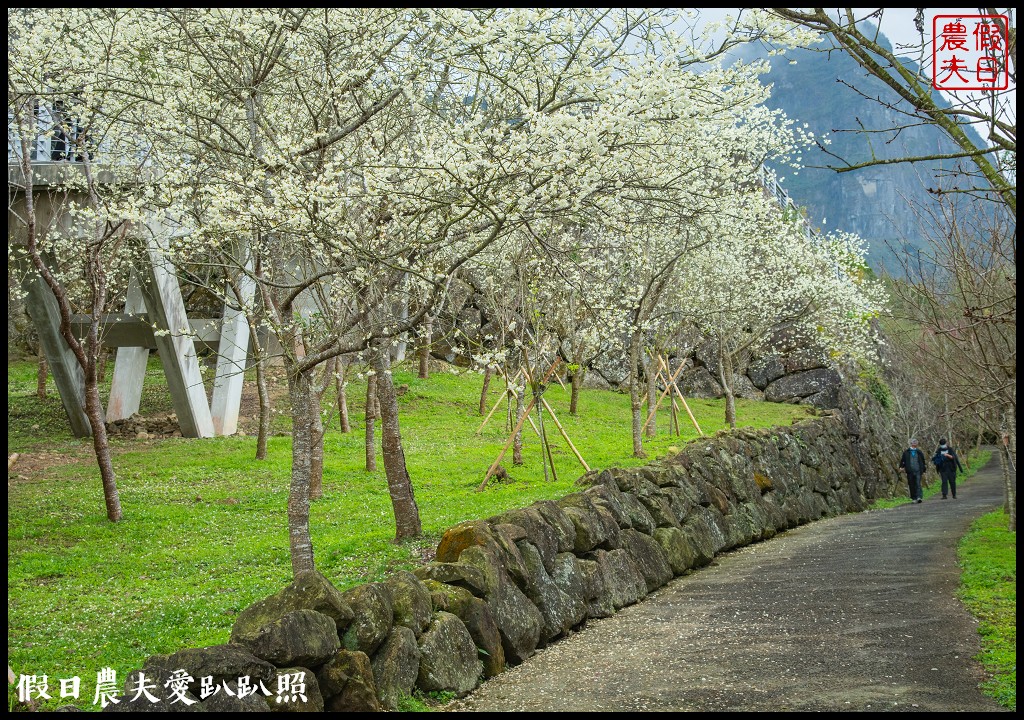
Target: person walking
[
  {"x": 947, "y": 463},
  {"x": 912, "y": 463}
]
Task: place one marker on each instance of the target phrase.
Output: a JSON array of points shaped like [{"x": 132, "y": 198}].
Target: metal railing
[{"x": 771, "y": 186}]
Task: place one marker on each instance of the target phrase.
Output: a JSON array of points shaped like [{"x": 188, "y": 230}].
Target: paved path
[{"x": 851, "y": 613}]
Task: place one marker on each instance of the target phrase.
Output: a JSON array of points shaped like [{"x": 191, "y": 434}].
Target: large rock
[
  {"x": 497, "y": 539},
  {"x": 804, "y": 358},
  {"x": 346, "y": 682},
  {"x": 699, "y": 539},
  {"x": 543, "y": 536},
  {"x": 225, "y": 701},
  {"x": 698, "y": 382},
  {"x": 220, "y": 662},
  {"x": 458, "y": 574},
  {"x": 410, "y": 601},
  {"x": 559, "y": 522},
  {"x": 302, "y": 638},
  {"x": 681, "y": 557},
  {"x": 743, "y": 387},
  {"x": 597, "y": 598},
  {"x": 659, "y": 507},
  {"x": 448, "y": 657},
  {"x": 639, "y": 516},
  {"x": 827, "y": 399},
  {"x": 559, "y": 610},
  {"x": 518, "y": 620},
  {"x": 373, "y": 617},
  {"x": 802, "y": 384},
  {"x": 296, "y": 691},
  {"x": 464, "y": 535},
  {"x": 395, "y": 666},
  {"x": 476, "y": 615},
  {"x": 623, "y": 583},
  {"x": 649, "y": 557},
  {"x": 309, "y": 591},
  {"x": 595, "y": 526},
  {"x": 706, "y": 354},
  {"x": 765, "y": 370}
]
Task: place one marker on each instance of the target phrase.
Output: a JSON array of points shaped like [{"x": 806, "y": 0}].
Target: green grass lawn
[
  {"x": 204, "y": 531},
  {"x": 988, "y": 588}
]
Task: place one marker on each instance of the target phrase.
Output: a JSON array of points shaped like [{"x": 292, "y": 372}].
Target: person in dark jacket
[
  {"x": 912, "y": 463},
  {"x": 947, "y": 463}
]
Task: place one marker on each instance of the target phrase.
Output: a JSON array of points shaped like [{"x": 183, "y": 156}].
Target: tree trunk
[
  {"x": 316, "y": 457},
  {"x": 403, "y": 315},
  {"x": 371, "y": 421},
  {"x": 407, "y": 514},
  {"x": 264, "y": 394},
  {"x": 339, "y": 383},
  {"x": 574, "y": 398},
  {"x": 424, "y": 349},
  {"x": 299, "y": 540},
  {"x": 42, "y": 370},
  {"x": 101, "y": 366},
  {"x": 652, "y": 399},
  {"x": 517, "y": 444},
  {"x": 634, "y": 394},
  {"x": 100, "y": 444},
  {"x": 483, "y": 391},
  {"x": 726, "y": 378}
]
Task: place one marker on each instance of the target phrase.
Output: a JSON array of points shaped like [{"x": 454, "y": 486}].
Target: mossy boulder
[
  {"x": 296, "y": 690},
  {"x": 373, "y": 617},
  {"x": 308, "y": 591},
  {"x": 448, "y": 656},
  {"x": 396, "y": 666},
  {"x": 410, "y": 601},
  {"x": 476, "y": 615},
  {"x": 346, "y": 682},
  {"x": 303, "y": 638}
]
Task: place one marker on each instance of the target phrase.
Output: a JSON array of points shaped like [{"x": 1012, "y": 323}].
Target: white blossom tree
[
  {"x": 82, "y": 189},
  {"x": 766, "y": 272}
]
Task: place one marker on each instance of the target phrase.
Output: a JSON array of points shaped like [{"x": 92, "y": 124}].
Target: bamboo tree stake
[
  {"x": 663, "y": 364},
  {"x": 685, "y": 405},
  {"x": 518, "y": 427},
  {"x": 664, "y": 392},
  {"x": 565, "y": 435},
  {"x": 559, "y": 379},
  {"x": 501, "y": 398}
]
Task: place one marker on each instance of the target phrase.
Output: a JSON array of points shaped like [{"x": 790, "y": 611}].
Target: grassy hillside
[{"x": 204, "y": 531}]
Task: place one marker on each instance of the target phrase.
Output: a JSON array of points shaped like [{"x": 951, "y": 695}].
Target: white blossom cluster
[{"x": 591, "y": 172}]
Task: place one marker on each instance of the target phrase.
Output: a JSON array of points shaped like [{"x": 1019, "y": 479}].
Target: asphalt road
[{"x": 850, "y": 613}]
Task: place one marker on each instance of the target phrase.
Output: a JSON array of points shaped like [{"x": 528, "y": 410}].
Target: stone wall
[{"x": 502, "y": 587}]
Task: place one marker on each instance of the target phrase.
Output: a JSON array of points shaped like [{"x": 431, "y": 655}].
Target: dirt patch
[{"x": 31, "y": 466}]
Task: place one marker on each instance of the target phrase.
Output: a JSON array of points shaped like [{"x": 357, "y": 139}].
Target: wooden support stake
[
  {"x": 565, "y": 435},
  {"x": 668, "y": 387},
  {"x": 534, "y": 426},
  {"x": 518, "y": 427},
  {"x": 685, "y": 405},
  {"x": 559, "y": 379},
  {"x": 501, "y": 397}
]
